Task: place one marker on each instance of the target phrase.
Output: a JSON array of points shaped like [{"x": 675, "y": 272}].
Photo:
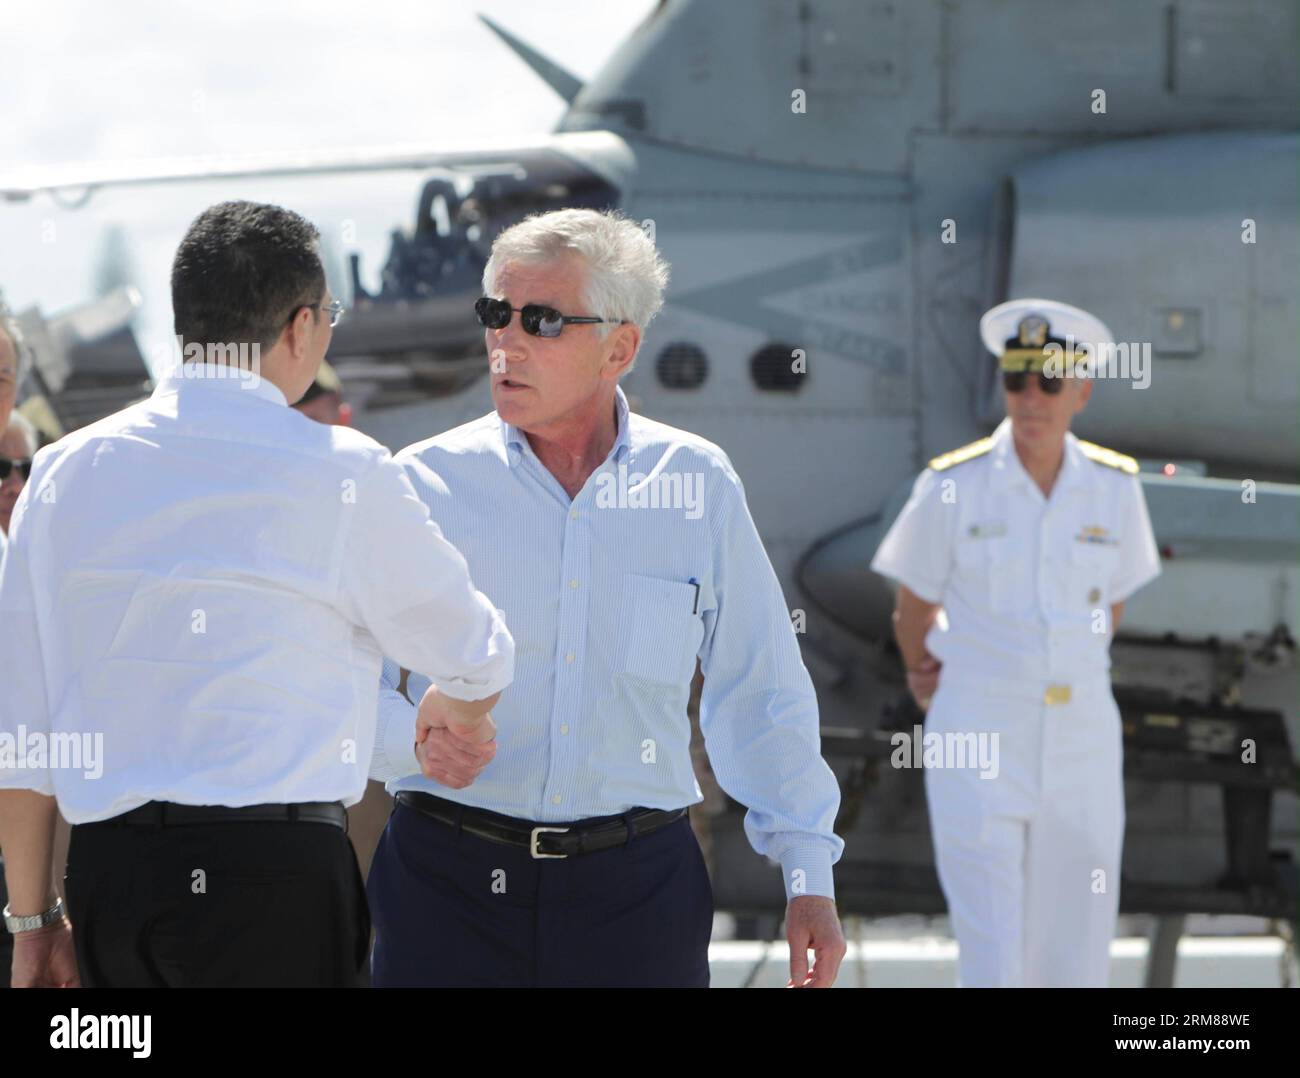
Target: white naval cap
[{"x": 1021, "y": 325}]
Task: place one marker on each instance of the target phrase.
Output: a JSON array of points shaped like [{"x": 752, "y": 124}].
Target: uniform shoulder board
[
  {"x": 1101, "y": 455},
  {"x": 960, "y": 456}
]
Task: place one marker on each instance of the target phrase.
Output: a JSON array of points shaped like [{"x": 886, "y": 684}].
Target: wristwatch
[{"x": 35, "y": 920}]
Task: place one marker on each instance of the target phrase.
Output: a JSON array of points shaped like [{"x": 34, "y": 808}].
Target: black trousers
[
  {"x": 455, "y": 910},
  {"x": 229, "y": 904}
]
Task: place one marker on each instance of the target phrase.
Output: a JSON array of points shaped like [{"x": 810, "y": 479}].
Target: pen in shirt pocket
[{"x": 695, "y": 609}]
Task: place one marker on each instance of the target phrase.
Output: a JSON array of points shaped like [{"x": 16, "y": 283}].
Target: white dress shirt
[
  {"x": 1026, "y": 581},
  {"x": 209, "y": 580},
  {"x": 608, "y": 624}
]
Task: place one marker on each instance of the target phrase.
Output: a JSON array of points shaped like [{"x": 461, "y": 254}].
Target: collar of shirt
[
  {"x": 1008, "y": 469},
  {"x": 219, "y": 378},
  {"x": 517, "y": 444}
]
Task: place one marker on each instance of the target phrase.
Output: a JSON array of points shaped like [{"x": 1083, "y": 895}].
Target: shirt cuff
[
  {"x": 465, "y": 691},
  {"x": 499, "y": 671},
  {"x": 806, "y": 870}
]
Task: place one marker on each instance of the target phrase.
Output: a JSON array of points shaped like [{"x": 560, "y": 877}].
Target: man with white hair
[
  {"x": 621, "y": 550},
  {"x": 18, "y": 444}
]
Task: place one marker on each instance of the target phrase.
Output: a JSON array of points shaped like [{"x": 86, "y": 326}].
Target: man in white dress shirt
[
  {"x": 1014, "y": 556},
  {"x": 195, "y": 604},
  {"x": 621, "y": 550}
]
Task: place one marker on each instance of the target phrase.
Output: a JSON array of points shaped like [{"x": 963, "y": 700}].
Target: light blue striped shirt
[{"x": 611, "y": 597}]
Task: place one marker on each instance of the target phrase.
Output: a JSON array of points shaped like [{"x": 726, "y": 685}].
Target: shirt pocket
[
  {"x": 662, "y": 631},
  {"x": 1088, "y": 576},
  {"x": 986, "y": 571}
]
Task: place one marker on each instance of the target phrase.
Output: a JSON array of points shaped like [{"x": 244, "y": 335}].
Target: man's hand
[
  {"x": 451, "y": 749},
  {"x": 44, "y": 958},
  {"x": 923, "y": 680},
  {"x": 812, "y": 923}
]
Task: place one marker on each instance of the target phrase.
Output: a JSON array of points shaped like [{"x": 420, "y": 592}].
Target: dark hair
[{"x": 241, "y": 271}]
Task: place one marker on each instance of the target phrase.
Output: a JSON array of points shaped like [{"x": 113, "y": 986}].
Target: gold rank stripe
[
  {"x": 960, "y": 456},
  {"x": 1101, "y": 455}
]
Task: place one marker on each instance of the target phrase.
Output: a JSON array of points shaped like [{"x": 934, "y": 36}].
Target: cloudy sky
[{"x": 139, "y": 79}]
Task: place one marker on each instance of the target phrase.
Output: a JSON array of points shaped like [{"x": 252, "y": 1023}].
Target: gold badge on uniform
[{"x": 1095, "y": 534}]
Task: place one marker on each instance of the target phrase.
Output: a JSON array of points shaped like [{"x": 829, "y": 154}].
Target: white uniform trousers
[{"x": 1029, "y": 859}]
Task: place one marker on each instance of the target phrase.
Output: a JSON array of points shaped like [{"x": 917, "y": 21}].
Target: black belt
[
  {"x": 542, "y": 840},
  {"x": 169, "y": 814}
]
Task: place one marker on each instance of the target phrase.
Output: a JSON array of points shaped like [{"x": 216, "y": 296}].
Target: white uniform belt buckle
[{"x": 1057, "y": 694}]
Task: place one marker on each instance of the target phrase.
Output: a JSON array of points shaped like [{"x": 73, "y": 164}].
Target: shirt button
[
  {"x": 555, "y": 800},
  {"x": 569, "y": 657},
  {"x": 573, "y": 514},
  {"x": 573, "y": 583},
  {"x": 565, "y": 728}
]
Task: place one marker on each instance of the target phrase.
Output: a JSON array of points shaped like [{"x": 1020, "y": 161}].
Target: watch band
[{"x": 34, "y": 920}]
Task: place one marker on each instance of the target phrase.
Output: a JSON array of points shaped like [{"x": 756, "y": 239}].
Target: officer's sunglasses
[
  {"x": 7, "y": 467},
  {"x": 1014, "y": 382},
  {"x": 537, "y": 320}
]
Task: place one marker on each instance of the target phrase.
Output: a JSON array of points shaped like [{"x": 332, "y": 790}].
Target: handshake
[{"x": 454, "y": 739}]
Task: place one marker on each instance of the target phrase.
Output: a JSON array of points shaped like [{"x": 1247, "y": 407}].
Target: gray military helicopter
[{"x": 842, "y": 188}]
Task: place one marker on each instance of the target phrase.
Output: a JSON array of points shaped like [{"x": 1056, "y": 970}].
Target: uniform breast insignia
[
  {"x": 1101, "y": 455},
  {"x": 1095, "y": 535},
  {"x": 960, "y": 456}
]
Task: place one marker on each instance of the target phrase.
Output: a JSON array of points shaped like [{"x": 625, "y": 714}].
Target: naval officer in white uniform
[{"x": 1014, "y": 556}]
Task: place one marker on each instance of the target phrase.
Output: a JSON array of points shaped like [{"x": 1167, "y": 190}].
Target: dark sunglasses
[
  {"x": 7, "y": 467},
  {"x": 537, "y": 320},
  {"x": 1014, "y": 382}
]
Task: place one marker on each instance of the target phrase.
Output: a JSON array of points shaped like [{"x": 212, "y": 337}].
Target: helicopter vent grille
[
  {"x": 772, "y": 368},
  {"x": 682, "y": 365}
]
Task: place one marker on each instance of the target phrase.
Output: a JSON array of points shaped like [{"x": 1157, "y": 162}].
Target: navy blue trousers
[{"x": 451, "y": 909}]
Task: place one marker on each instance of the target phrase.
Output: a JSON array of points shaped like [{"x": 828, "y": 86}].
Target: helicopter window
[
  {"x": 681, "y": 365},
  {"x": 773, "y": 369}
]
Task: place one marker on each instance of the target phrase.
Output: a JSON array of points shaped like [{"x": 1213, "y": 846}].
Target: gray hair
[
  {"x": 625, "y": 274},
  {"x": 22, "y": 423},
  {"x": 9, "y": 327}
]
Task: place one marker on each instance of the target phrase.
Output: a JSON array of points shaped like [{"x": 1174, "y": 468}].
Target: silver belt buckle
[{"x": 537, "y": 854}]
